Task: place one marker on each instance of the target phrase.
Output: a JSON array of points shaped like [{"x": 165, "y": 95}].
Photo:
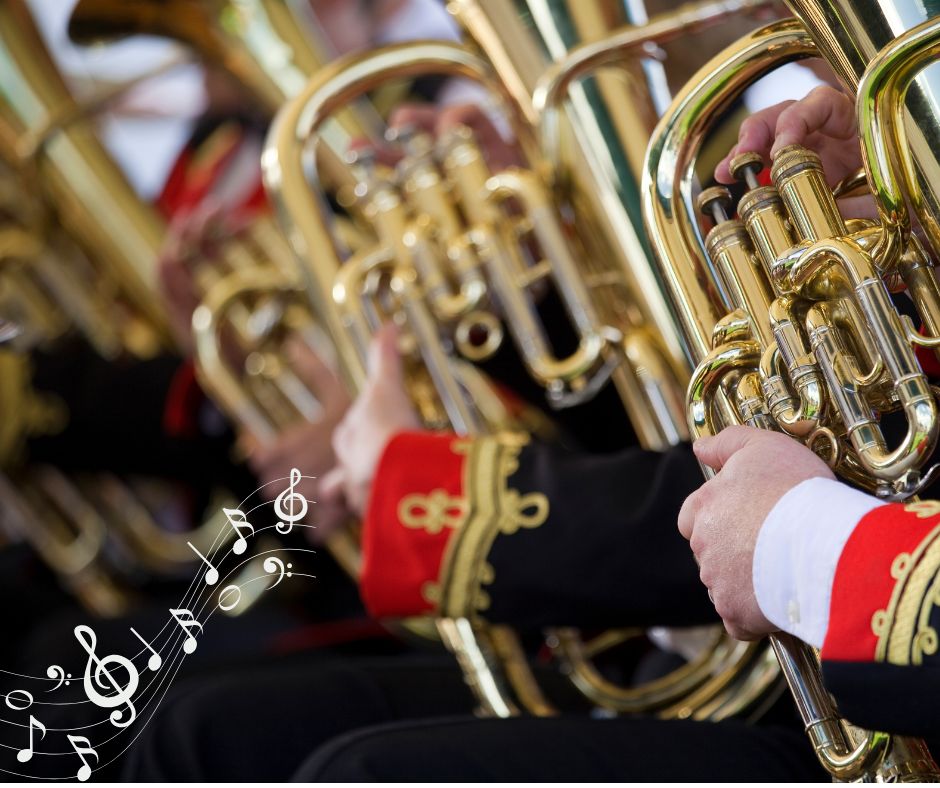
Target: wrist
[{"x": 797, "y": 550}]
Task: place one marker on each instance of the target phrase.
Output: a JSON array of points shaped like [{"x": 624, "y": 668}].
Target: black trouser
[
  {"x": 260, "y": 724},
  {"x": 566, "y": 749},
  {"x": 264, "y": 723}
]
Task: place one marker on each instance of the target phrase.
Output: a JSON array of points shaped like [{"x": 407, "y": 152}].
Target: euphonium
[
  {"x": 447, "y": 250},
  {"x": 47, "y": 137},
  {"x": 786, "y": 312}
]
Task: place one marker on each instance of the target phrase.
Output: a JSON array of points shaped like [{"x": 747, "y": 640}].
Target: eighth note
[
  {"x": 189, "y": 646},
  {"x": 291, "y": 515},
  {"x": 24, "y": 755},
  {"x": 212, "y": 574},
  {"x": 237, "y": 519},
  {"x": 83, "y": 747},
  {"x": 155, "y": 660}
]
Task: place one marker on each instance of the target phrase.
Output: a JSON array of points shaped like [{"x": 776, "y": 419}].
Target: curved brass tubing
[
  {"x": 724, "y": 360},
  {"x": 890, "y": 336},
  {"x": 880, "y": 108}
]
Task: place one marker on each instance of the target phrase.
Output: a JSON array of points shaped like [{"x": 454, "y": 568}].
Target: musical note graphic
[
  {"x": 224, "y": 593},
  {"x": 83, "y": 747},
  {"x": 57, "y": 672},
  {"x": 212, "y": 574},
  {"x": 34, "y": 725},
  {"x": 237, "y": 519},
  {"x": 27, "y": 699},
  {"x": 292, "y": 515},
  {"x": 274, "y": 564},
  {"x": 155, "y": 660},
  {"x": 88, "y": 640},
  {"x": 189, "y": 646}
]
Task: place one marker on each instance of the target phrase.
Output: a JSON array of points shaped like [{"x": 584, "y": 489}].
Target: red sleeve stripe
[
  {"x": 420, "y": 476},
  {"x": 868, "y": 574}
]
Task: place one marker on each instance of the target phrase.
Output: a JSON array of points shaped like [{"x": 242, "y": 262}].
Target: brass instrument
[
  {"x": 785, "y": 310},
  {"x": 449, "y": 247},
  {"x": 83, "y": 243}
]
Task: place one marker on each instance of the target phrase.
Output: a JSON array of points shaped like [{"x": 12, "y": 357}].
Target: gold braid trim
[
  {"x": 491, "y": 508},
  {"x": 903, "y": 629}
]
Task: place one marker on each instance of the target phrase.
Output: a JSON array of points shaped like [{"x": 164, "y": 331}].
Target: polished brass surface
[
  {"x": 433, "y": 270},
  {"x": 82, "y": 189},
  {"x": 790, "y": 320}
]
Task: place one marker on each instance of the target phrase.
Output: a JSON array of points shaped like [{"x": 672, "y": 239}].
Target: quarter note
[
  {"x": 189, "y": 646},
  {"x": 296, "y": 504},
  {"x": 104, "y": 677},
  {"x": 34, "y": 725},
  {"x": 83, "y": 747},
  {"x": 212, "y": 574},
  {"x": 155, "y": 660},
  {"x": 237, "y": 519}
]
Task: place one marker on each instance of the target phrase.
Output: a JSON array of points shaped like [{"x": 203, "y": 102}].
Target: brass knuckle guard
[{"x": 798, "y": 332}]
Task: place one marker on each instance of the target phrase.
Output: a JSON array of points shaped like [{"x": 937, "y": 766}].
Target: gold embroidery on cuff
[
  {"x": 494, "y": 509},
  {"x": 903, "y": 628},
  {"x": 432, "y": 512}
]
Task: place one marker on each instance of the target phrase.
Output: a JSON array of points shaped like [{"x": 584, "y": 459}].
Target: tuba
[
  {"x": 456, "y": 248},
  {"x": 786, "y": 312}
]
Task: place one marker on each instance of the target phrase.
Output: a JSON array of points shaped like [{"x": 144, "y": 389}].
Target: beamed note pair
[{"x": 779, "y": 320}]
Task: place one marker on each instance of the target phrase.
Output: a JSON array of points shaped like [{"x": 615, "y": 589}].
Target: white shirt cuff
[{"x": 797, "y": 551}]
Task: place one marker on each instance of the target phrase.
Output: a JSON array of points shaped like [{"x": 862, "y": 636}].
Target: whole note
[
  {"x": 18, "y": 693},
  {"x": 82, "y": 747},
  {"x": 226, "y": 594},
  {"x": 103, "y": 677},
  {"x": 291, "y": 515},
  {"x": 185, "y": 619},
  {"x": 237, "y": 519},
  {"x": 212, "y": 574},
  {"x": 24, "y": 755}
]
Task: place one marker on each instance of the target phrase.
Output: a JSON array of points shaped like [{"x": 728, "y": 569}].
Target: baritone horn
[
  {"x": 786, "y": 311},
  {"x": 457, "y": 249}
]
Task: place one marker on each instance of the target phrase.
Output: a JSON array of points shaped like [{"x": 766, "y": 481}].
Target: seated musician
[{"x": 783, "y": 545}]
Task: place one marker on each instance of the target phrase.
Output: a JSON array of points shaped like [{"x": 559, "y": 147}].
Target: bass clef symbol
[
  {"x": 99, "y": 674},
  {"x": 296, "y": 504}
]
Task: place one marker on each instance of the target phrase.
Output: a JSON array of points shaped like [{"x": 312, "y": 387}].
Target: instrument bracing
[
  {"x": 786, "y": 312},
  {"x": 451, "y": 255}
]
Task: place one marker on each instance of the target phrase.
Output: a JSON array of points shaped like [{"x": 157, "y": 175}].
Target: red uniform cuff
[
  {"x": 882, "y": 582},
  {"x": 415, "y": 506}
]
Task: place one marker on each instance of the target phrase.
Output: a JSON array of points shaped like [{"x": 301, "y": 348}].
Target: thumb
[
  {"x": 716, "y": 450},
  {"x": 384, "y": 358}
]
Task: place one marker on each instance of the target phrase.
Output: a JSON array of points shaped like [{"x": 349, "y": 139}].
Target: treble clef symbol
[
  {"x": 291, "y": 498},
  {"x": 104, "y": 678}
]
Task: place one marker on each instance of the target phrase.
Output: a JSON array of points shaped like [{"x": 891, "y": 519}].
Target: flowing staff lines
[
  {"x": 215, "y": 546},
  {"x": 180, "y": 635},
  {"x": 175, "y": 664},
  {"x": 175, "y": 645}
]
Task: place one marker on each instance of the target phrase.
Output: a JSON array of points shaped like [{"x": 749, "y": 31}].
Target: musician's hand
[
  {"x": 193, "y": 238},
  {"x": 380, "y": 412},
  {"x": 499, "y": 153},
  {"x": 723, "y": 517},
  {"x": 824, "y": 121},
  {"x": 306, "y": 446}
]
